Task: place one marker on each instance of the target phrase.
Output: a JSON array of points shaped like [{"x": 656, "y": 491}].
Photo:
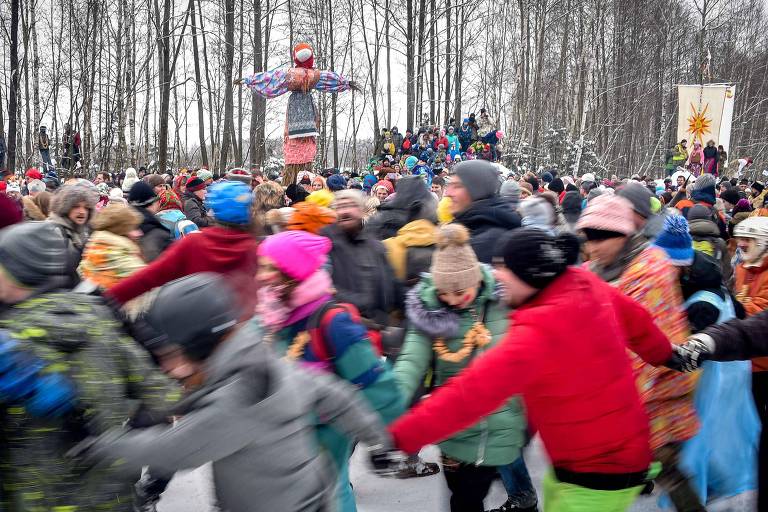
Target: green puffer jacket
[
  {"x": 497, "y": 439},
  {"x": 79, "y": 338}
]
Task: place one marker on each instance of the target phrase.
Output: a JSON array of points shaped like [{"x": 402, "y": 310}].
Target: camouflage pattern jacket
[{"x": 78, "y": 337}]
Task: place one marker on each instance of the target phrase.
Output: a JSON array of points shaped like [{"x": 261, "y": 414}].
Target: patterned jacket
[
  {"x": 651, "y": 280},
  {"x": 79, "y": 338}
]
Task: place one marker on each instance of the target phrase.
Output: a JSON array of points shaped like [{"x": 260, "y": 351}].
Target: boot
[{"x": 525, "y": 501}]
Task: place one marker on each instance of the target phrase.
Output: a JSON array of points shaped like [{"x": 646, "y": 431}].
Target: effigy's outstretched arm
[
  {"x": 269, "y": 84},
  {"x": 330, "y": 81}
]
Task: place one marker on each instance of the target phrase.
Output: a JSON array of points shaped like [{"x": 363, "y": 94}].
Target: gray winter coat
[{"x": 254, "y": 419}]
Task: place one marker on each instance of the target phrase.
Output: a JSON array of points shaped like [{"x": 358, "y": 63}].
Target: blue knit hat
[
  {"x": 336, "y": 182},
  {"x": 676, "y": 241}
]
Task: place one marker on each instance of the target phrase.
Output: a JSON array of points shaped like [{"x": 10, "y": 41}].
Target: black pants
[
  {"x": 760, "y": 393},
  {"x": 469, "y": 484}
]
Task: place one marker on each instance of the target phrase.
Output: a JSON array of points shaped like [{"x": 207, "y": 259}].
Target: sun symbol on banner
[{"x": 699, "y": 124}]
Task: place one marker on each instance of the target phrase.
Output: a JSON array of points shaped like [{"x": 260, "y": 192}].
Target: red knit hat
[
  {"x": 33, "y": 174},
  {"x": 10, "y": 211},
  {"x": 195, "y": 184}
]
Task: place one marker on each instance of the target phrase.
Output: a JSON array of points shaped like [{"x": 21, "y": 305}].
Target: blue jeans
[{"x": 515, "y": 477}]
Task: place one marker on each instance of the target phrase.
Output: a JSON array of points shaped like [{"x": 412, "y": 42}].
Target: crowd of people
[
  {"x": 699, "y": 159},
  {"x": 153, "y": 323}
]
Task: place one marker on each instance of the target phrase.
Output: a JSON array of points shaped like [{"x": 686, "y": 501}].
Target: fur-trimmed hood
[
  {"x": 69, "y": 196},
  {"x": 427, "y": 314},
  {"x": 31, "y": 210}
]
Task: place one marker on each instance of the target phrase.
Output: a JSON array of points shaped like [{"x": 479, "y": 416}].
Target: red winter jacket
[
  {"x": 566, "y": 354},
  {"x": 214, "y": 249}
]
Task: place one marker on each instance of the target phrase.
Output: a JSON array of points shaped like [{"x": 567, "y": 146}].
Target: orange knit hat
[{"x": 310, "y": 217}]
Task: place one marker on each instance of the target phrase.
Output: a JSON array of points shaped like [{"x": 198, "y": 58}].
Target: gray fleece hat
[
  {"x": 480, "y": 178},
  {"x": 33, "y": 253},
  {"x": 639, "y": 196},
  {"x": 510, "y": 190}
]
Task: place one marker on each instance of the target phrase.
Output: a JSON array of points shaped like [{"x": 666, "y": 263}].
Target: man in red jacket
[
  {"x": 566, "y": 354},
  {"x": 227, "y": 247}
]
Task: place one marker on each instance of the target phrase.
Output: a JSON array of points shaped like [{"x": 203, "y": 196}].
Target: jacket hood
[
  {"x": 493, "y": 211},
  {"x": 246, "y": 363},
  {"x": 704, "y": 274},
  {"x": 428, "y": 314},
  {"x": 703, "y": 228},
  {"x": 419, "y": 233},
  {"x": 31, "y": 210}
]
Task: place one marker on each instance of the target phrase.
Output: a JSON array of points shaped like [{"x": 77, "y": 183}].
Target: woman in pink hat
[{"x": 305, "y": 324}]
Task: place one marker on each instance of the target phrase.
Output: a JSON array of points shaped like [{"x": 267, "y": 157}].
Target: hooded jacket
[
  {"x": 156, "y": 237},
  {"x": 486, "y": 220},
  {"x": 410, "y": 252},
  {"x": 253, "y": 417},
  {"x": 590, "y": 425},
  {"x": 195, "y": 210},
  {"x": 79, "y": 338},
  {"x": 412, "y": 201},
  {"x": 706, "y": 238},
  {"x": 215, "y": 249},
  {"x": 361, "y": 273},
  {"x": 498, "y": 439},
  {"x": 31, "y": 210}
]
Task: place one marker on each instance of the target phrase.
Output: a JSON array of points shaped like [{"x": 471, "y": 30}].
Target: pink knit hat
[
  {"x": 608, "y": 213},
  {"x": 297, "y": 254}
]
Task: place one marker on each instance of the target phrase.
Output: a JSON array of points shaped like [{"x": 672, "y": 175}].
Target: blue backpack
[{"x": 177, "y": 223}]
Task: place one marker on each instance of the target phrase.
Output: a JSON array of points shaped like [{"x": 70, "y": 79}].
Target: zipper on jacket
[{"x": 483, "y": 441}]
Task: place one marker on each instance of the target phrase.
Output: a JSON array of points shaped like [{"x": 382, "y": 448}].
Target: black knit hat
[
  {"x": 556, "y": 185},
  {"x": 142, "y": 194},
  {"x": 730, "y": 196},
  {"x": 533, "y": 255}
]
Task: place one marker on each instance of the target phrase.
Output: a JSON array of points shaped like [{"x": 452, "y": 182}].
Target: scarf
[
  {"x": 609, "y": 273},
  {"x": 310, "y": 294}
]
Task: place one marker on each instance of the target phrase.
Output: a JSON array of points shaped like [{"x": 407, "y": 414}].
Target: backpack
[
  {"x": 322, "y": 318},
  {"x": 179, "y": 226}
]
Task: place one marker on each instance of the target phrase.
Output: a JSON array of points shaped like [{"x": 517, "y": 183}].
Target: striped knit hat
[{"x": 676, "y": 241}]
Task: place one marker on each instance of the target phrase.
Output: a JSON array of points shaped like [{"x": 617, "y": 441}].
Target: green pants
[{"x": 562, "y": 497}]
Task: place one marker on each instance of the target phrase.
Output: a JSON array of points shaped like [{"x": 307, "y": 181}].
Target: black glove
[
  {"x": 386, "y": 462},
  {"x": 690, "y": 355}
]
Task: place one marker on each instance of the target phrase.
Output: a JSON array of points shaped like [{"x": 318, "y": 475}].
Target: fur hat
[
  {"x": 117, "y": 218},
  {"x": 454, "y": 263},
  {"x": 69, "y": 196}
]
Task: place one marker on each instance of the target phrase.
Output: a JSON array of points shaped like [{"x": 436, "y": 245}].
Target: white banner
[{"x": 705, "y": 113}]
